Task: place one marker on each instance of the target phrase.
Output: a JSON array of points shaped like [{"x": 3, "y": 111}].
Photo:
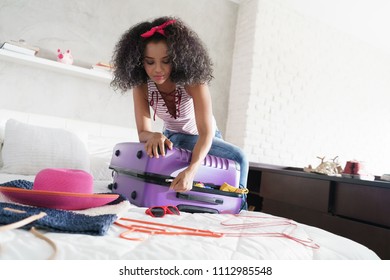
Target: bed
[{"x": 246, "y": 236}]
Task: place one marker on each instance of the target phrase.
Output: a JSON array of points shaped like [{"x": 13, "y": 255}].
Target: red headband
[{"x": 159, "y": 29}]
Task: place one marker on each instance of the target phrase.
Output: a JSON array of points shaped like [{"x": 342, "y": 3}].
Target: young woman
[{"x": 168, "y": 68}]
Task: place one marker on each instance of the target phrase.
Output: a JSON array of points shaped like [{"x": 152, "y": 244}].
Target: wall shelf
[{"x": 52, "y": 65}]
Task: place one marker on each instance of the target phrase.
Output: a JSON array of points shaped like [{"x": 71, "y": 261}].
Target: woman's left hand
[{"x": 183, "y": 181}]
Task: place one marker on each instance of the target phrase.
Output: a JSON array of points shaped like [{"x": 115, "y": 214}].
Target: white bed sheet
[{"x": 21, "y": 244}]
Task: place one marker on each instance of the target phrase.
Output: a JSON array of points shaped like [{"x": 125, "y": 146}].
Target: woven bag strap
[{"x": 26, "y": 221}]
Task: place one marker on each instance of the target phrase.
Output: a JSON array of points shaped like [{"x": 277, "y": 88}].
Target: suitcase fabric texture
[{"x": 145, "y": 181}]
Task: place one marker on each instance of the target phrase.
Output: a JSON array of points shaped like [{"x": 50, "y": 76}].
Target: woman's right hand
[{"x": 157, "y": 143}]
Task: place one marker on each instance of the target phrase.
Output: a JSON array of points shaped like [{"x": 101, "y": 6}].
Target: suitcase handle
[
  {"x": 196, "y": 209},
  {"x": 199, "y": 198}
]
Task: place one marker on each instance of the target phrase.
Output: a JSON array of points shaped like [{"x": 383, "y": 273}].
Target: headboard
[
  {"x": 99, "y": 138},
  {"x": 91, "y": 128}
]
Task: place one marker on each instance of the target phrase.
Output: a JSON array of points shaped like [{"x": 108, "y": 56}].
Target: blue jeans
[{"x": 219, "y": 148}]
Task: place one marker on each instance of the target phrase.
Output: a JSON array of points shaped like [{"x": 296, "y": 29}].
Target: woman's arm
[
  {"x": 153, "y": 140},
  {"x": 204, "y": 122}
]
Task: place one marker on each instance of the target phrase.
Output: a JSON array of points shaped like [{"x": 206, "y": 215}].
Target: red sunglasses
[{"x": 160, "y": 211}]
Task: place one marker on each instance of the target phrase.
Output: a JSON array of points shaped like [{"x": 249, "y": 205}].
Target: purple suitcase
[{"x": 144, "y": 181}]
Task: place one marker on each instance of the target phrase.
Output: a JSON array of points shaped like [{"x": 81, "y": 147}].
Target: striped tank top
[{"x": 183, "y": 119}]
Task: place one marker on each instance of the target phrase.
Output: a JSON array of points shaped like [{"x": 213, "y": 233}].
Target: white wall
[
  {"x": 91, "y": 28},
  {"x": 312, "y": 89},
  {"x": 309, "y": 78}
]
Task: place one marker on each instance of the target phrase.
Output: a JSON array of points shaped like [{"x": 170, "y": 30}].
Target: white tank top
[{"x": 183, "y": 120}]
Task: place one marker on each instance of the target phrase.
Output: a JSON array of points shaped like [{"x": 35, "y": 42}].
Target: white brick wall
[
  {"x": 302, "y": 89},
  {"x": 240, "y": 87}
]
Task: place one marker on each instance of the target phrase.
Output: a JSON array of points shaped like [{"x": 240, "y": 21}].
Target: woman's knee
[
  {"x": 225, "y": 149},
  {"x": 183, "y": 141}
]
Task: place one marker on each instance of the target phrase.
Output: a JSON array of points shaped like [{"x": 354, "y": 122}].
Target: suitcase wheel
[{"x": 113, "y": 186}]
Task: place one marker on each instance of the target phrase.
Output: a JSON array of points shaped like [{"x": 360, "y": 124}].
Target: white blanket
[{"x": 263, "y": 237}]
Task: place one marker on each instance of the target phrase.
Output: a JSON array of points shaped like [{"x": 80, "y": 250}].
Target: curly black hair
[{"x": 190, "y": 61}]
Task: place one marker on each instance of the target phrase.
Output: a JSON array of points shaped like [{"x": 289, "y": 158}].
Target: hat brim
[{"x": 57, "y": 200}]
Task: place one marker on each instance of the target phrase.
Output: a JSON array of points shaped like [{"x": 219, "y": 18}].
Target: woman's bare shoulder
[{"x": 141, "y": 90}]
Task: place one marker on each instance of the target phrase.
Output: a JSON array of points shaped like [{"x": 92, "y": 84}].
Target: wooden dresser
[{"x": 353, "y": 208}]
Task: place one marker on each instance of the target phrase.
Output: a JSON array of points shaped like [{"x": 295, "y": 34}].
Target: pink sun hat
[{"x": 60, "y": 188}]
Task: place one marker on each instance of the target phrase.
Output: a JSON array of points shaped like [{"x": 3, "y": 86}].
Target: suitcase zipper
[
  {"x": 165, "y": 180},
  {"x": 145, "y": 176}
]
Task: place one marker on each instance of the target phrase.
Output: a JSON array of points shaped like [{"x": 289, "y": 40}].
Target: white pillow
[
  {"x": 100, "y": 149},
  {"x": 1, "y": 157},
  {"x": 27, "y": 149},
  {"x": 1, "y": 143},
  {"x": 2, "y": 128},
  {"x": 100, "y": 168}
]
